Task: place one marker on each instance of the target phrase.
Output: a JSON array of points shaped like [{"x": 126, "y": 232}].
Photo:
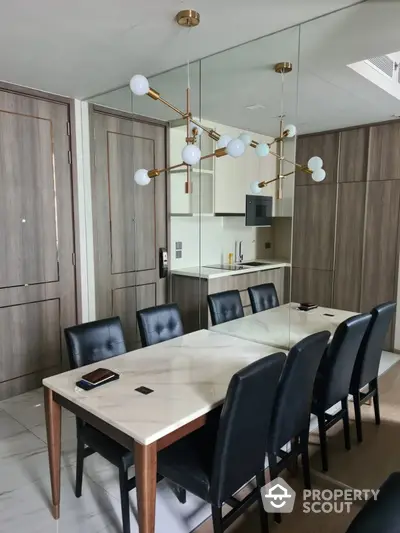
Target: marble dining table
[
  {"x": 285, "y": 325},
  {"x": 184, "y": 379}
]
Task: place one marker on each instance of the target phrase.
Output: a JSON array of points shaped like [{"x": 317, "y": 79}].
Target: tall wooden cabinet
[{"x": 346, "y": 229}]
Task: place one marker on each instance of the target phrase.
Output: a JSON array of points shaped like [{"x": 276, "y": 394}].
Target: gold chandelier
[{"x": 225, "y": 145}]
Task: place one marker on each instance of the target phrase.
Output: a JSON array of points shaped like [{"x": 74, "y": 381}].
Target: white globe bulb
[
  {"x": 141, "y": 177},
  {"x": 139, "y": 85},
  {"x": 236, "y": 148},
  {"x": 223, "y": 141},
  {"x": 291, "y": 130},
  {"x": 195, "y": 126},
  {"x": 262, "y": 149},
  {"x": 319, "y": 174},
  {"x": 255, "y": 189},
  {"x": 191, "y": 154},
  {"x": 315, "y": 163},
  {"x": 245, "y": 138}
]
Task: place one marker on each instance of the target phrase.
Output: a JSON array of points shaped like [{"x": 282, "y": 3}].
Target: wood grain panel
[
  {"x": 30, "y": 338},
  {"x": 353, "y": 156},
  {"x": 314, "y": 226},
  {"x": 27, "y": 208},
  {"x": 384, "y": 155},
  {"x": 36, "y": 238},
  {"x": 349, "y": 246},
  {"x": 379, "y": 281},
  {"x": 312, "y": 286},
  {"x": 325, "y": 145},
  {"x": 131, "y": 206},
  {"x": 126, "y": 301},
  {"x": 191, "y": 296},
  {"x": 127, "y": 256}
]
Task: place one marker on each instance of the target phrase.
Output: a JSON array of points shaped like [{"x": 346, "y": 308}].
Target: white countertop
[
  {"x": 210, "y": 273},
  {"x": 189, "y": 376},
  {"x": 285, "y": 325}
]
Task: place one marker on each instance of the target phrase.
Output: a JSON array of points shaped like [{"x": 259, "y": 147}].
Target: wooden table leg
[
  {"x": 53, "y": 424},
  {"x": 146, "y": 482}
]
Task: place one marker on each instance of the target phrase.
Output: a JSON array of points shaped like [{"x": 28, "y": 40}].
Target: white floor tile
[{"x": 27, "y": 509}]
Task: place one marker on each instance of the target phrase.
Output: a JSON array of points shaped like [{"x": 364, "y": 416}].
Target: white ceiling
[
  {"x": 83, "y": 47},
  {"x": 330, "y": 95}
]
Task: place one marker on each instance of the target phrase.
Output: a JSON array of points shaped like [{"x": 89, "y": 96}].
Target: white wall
[
  {"x": 217, "y": 236},
  {"x": 85, "y": 210}
]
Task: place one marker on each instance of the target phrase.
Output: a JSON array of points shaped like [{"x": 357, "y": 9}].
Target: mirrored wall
[{"x": 237, "y": 222}]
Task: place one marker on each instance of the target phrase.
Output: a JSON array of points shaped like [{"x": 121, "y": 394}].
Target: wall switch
[
  {"x": 178, "y": 254},
  {"x": 267, "y": 245},
  {"x": 178, "y": 245}
]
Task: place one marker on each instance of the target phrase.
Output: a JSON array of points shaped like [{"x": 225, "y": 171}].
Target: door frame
[
  {"x": 96, "y": 108},
  {"x": 69, "y": 102}
]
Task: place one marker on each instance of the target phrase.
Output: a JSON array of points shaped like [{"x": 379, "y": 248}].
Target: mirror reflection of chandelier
[{"x": 225, "y": 145}]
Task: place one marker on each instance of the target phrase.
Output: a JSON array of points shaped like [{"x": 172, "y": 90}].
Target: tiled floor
[{"x": 25, "y": 488}]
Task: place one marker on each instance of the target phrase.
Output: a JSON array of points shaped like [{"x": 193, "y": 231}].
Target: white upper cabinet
[{"x": 219, "y": 184}]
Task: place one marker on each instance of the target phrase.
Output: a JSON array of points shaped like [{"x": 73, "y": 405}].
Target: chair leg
[
  {"x": 376, "y": 403},
  {"x": 263, "y": 515},
  {"x": 124, "y": 492},
  {"x": 323, "y": 442},
  {"x": 217, "y": 519},
  {"x": 346, "y": 425},
  {"x": 305, "y": 459},
  {"x": 272, "y": 462},
  {"x": 357, "y": 412},
  {"x": 80, "y": 456}
]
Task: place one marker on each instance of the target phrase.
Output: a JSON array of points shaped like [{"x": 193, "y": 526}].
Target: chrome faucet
[{"x": 239, "y": 254}]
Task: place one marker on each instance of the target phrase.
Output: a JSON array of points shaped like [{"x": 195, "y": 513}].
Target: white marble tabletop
[
  {"x": 189, "y": 376},
  {"x": 285, "y": 325}
]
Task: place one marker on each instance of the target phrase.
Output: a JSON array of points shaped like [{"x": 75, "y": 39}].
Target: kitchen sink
[{"x": 254, "y": 263}]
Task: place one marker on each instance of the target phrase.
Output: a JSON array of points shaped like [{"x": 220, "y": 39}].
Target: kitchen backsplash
[{"x": 209, "y": 240}]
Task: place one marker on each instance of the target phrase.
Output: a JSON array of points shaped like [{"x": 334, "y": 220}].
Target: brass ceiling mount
[
  {"x": 188, "y": 18},
  {"x": 284, "y": 67}
]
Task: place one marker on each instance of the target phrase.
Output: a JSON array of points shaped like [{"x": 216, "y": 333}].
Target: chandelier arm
[
  {"x": 156, "y": 96},
  {"x": 303, "y": 168}
]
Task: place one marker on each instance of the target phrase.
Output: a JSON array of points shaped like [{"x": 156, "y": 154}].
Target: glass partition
[
  {"x": 242, "y": 94},
  {"x": 292, "y": 227},
  {"x": 349, "y": 107},
  {"x": 132, "y": 132}
]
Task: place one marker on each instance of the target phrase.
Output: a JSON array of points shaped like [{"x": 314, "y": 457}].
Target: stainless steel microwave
[{"x": 258, "y": 210}]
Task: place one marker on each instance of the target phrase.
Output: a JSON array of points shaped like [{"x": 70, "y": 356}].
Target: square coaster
[{"x": 144, "y": 390}]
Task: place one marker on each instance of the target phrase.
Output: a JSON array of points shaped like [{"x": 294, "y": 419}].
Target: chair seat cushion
[
  {"x": 106, "y": 447},
  {"x": 189, "y": 461}
]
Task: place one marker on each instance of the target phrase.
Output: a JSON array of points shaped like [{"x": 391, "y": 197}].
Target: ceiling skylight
[{"x": 383, "y": 71}]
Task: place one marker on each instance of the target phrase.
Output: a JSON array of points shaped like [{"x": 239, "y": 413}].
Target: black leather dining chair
[
  {"x": 225, "y": 306},
  {"x": 263, "y": 297},
  {"x": 160, "y": 323},
  {"x": 383, "y": 514},
  {"x": 366, "y": 367},
  {"x": 332, "y": 383},
  {"x": 89, "y": 343},
  {"x": 291, "y": 412},
  {"x": 215, "y": 461}
]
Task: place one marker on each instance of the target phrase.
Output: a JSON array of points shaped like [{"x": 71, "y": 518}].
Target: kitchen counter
[{"x": 212, "y": 273}]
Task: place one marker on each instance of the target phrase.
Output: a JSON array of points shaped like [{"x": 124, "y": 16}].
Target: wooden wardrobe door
[
  {"x": 130, "y": 221},
  {"x": 37, "y": 272},
  {"x": 384, "y": 154},
  {"x": 314, "y": 226},
  {"x": 349, "y": 246},
  {"x": 381, "y": 250},
  {"x": 325, "y": 145}
]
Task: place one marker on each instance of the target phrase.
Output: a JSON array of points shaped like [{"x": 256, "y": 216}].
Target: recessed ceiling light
[{"x": 253, "y": 107}]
